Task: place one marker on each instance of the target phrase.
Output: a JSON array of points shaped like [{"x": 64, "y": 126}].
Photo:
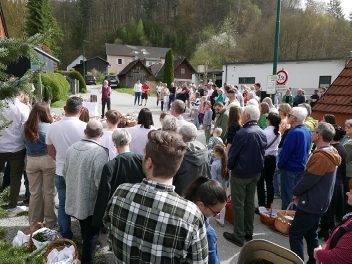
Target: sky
[{"x": 346, "y": 6}]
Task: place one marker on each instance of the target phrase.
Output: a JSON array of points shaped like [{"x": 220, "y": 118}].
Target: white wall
[
  {"x": 75, "y": 62},
  {"x": 302, "y": 74}
]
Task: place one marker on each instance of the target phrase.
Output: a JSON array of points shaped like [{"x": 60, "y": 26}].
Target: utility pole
[
  {"x": 84, "y": 60},
  {"x": 277, "y": 38}
]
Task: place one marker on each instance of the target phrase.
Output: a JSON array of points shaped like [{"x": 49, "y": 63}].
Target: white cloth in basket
[{"x": 64, "y": 256}]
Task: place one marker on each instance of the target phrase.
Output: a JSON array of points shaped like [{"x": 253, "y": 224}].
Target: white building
[
  {"x": 78, "y": 60},
  {"x": 308, "y": 74}
]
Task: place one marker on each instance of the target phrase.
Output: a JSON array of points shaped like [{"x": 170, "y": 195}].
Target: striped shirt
[{"x": 148, "y": 222}]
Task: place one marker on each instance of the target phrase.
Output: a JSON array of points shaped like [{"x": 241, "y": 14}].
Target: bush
[
  {"x": 55, "y": 86},
  {"x": 76, "y": 75}
]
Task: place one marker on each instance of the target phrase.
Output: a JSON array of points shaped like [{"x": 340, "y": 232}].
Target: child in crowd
[
  {"x": 161, "y": 117},
  {"x": 195, "y": 109},
  {"x": 201, "y": 111},
  {"x": 207, "y": 120},
  {"x": 165, "y": 93},
  {"x": 215, "y": 139},
  {"x": 220, "y": 173},
  {"x": 210, "y": 197}
]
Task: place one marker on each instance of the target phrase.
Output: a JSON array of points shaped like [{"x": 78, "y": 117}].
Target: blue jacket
[
  {"x": 316, "y": 187},
  {"x": 38, "y": 148},
  {"x": 207, "y": 117},
  {"x": 213, "y": 257},
  {"x": 295, "y": 150},
  {"x": 246, "y": 155}
]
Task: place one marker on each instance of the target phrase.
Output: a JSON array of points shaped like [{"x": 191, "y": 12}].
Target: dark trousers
[
  {"x": 267, "y": 175},
  {"x": 104, "y": 101},
  {"x": 200, "y": 117},
  {"x": 162, "y": 105},
  {"x": 304, "y": 225},
  {"x": 16, "y": 160},
  {"x": 90, "y": 235},
  {"x": 137, "y": 96},
  {"x": 171, "y": 99}
]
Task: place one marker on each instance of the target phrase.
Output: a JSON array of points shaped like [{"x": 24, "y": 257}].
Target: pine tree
[
  {"x": 11, "y": 50},
  {"x": 40, "y": 20},
  {"x": 169, "y": 68},
  {"x": 335, "y": 9},
  {"x": 139, "y": 32}
]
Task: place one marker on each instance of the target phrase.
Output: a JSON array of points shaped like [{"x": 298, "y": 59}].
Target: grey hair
[
  {"x": 188, "y": 132},
  {"x": 169, "y": 123},
  {"x": 348, "y": 122},
  {"x": 252, "y": 111},
  {"x": 73, "y": 105},
  {"x": 300, "y": 113},
  {"x": 251, "y": 95},
  {"x": 121, "y": 137},
  {"x": 326, "y": 130},
  {"x": 308, "y": 107}
]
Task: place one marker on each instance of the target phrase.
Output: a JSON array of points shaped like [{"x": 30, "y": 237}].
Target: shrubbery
[
  {"x": 76, "y": 75},
  {"x": 55, "y": 86}
]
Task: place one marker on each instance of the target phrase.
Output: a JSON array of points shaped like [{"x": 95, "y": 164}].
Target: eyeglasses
[
  {"x": 314, "y": 132},
  {"x": 214, "y": 213},
  {"x": 289, "y": 115},
  {"x": 347, "y": 127}
]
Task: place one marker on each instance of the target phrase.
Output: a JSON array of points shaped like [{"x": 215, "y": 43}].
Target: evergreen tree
[
  {"x": 335, "y": 9},
  {"x": 139, "y": 32},
  {"x": 350, "y": 18},
  {"x": 11, "y": 50},
  {"x": 40, "y": 20},
  {"x": 169, "y": 68}
]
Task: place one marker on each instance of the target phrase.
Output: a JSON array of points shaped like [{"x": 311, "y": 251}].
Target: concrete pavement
[{"x": 228, "y": 252}]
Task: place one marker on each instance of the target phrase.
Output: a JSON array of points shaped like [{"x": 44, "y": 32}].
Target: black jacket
[{"x": 124, "y": 168}]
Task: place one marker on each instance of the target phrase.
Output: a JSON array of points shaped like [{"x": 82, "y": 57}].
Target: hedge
[
  {"x": 76, "y": 75},
  {"x": 55, "y": 86}
]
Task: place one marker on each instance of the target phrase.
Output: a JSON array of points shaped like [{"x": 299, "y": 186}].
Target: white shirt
[
  {"x": 137, "y": 88},
  {"x": 270, "y": 136},
  {"x": 273, "y": 109},
  {"x": 159, "y": 88},
  {"x": 11, "y": 136},
  {"x": 139, "y": 138},
  {"x": 62, "y": 135},
  {"x": 106, "y": 141},
  {"x": 180, "y": 122}
]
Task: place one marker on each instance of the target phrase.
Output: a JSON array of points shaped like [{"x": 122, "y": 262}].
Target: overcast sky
[{"x": 346, "y": 6}]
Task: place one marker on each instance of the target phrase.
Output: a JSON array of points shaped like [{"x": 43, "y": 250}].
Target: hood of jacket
[
  {"x": 331, "y": 154},
  {"x": 196, "y": 153},
  {"x": 310, "y": 123}
]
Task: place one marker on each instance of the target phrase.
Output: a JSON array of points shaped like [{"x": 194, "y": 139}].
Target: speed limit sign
[{"x": 282, "y": 77}]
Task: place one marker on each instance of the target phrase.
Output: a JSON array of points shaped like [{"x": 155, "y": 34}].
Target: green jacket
[
  {"x": 290, "y": 100},
  {"x": 262, "y": 121},
  {"x": 222, "y": 122}
]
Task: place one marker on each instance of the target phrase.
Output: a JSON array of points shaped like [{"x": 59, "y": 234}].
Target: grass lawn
[{"x": 58, "y": 104}]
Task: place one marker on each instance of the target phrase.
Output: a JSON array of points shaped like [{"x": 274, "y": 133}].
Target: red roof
[{"x": 338, "y": 98}]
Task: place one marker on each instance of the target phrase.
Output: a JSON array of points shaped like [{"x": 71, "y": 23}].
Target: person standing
[
  {"x": 112, "y": 120},
  {"x": 13, "y": 149},
  {"x": 145, "y": 92},
  {"x": 60, "y": 136},
  {"x": 40, "y": 167},
  {"x": 137, "y": 88},
  {"x": 299, "y": 98},
  {"x": 250, "y": 142},
  {"x": 313, "y": 192},
  {"x": 82, "y": 171},
  {"x": 314, "y": 98},
  {"x": 158, "y": 88},
  {"x": 172, "y": 96},
  {"x": 177, "y": 233},
  {"x": 222, "y": 115},
  {"x": 105, "y": 91},
  {"x": 207, "y": 120},
  {"x": 294, "y": 154}
]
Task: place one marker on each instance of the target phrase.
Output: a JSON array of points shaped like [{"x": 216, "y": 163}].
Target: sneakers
[
  {"x": 15, "y": 211},
  {"x": 219, "y": 222}
]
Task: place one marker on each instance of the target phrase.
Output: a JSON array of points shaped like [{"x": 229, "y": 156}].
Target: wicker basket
[
  {"x": 53, "y": 245},
  {"x": 30, "y": 232},
  {"x": 268, "y": 219},
  {"x": 229, "y": 216},
  {"x": 283, "y": 224},
  {"x": 131, "y": 120}
]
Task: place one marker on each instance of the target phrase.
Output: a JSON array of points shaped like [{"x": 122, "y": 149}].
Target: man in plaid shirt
[{"x": 148, "y": 222}]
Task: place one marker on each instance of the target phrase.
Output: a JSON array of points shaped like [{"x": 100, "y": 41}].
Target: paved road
[{"x": 228, "y": 252}]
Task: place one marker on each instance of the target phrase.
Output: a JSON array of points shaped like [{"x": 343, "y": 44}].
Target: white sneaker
[{"x": 15, "y": 211}]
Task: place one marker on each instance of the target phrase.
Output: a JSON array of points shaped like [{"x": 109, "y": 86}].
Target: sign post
[{"x": 271, "y": 83}]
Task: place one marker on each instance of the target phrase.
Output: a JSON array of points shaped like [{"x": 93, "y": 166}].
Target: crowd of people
[{"x": 154, "y": 189}]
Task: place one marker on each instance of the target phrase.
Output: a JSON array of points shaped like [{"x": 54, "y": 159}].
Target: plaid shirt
[{"x": 148, "y": 222}]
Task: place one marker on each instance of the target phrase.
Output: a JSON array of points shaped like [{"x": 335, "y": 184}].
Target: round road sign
[{"x": 282, "y": 77}]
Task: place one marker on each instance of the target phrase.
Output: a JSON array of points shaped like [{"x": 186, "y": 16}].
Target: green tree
[
  {"x": 40, "y": 20},
  {"x": 11, "y": 50},
  {"x": 139, "y": 32},
  {"x": 169, "y": 68},
  {"x": 335, "y": 9}
]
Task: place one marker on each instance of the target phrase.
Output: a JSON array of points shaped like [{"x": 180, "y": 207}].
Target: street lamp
[
  {"x": 277, "y": 37},
  {"x": 84, "y": 59}
]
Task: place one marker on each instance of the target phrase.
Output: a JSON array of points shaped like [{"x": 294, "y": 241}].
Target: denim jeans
[
  {"x": 277, "y": 177},
  {"x": 200, "y": 118},
  {"x": 90, "y": 235},
  {"x": 304, "y": 225},
  {"x": 195, "y": 118},
  {"x": 137, "y": 96},
  {"x": 171, "y": 99},
  {"x": 289, "y": 180},
  {"x": 64, "y": 220}
]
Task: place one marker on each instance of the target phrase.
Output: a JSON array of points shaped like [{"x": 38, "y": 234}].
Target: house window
[
  {"x": 118, "y": 61},
  {"x": 150, "y": 63},
  {"x": 246, "y": 80},
  {"x": 324, "y": 81},
  {"x": 183, "y": 71}
]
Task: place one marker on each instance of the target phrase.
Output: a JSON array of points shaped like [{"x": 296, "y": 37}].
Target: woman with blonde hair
[
  {"x": 40, "y": 167},
  {"x": 284, "y": 109}
]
